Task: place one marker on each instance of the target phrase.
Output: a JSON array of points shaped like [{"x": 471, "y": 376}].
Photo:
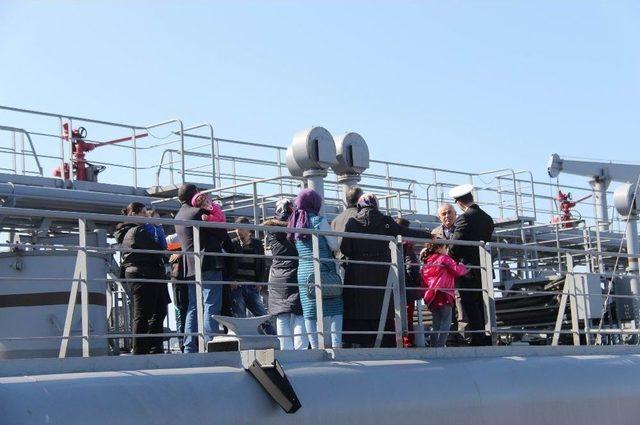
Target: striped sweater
[{"x": 331, "y": 306}]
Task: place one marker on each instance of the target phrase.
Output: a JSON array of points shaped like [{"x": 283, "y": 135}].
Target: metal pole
[
  {"x": 418, "y": 336},
  {"x": 79, "y": 273},
  {"x": 573, "y": 300},
  {"x": 134, "y": 157},
  {"x": 13, "y": 148},
  {"x": 279, "y": 162},
  {"x": 315, "y": 244},
  {"x": 171, "y": 170},
  {"x": 22, "y": 158},
  {"x": 488, "y": 297},
  {"x": 631, "y": 230},
  {"x": 557, "y": 233},
  {"x": 399, "y": 291},
  {"x": 84, "y": 287},
  {"x": 216, "y": 147},
  {"x": 116, "y": 318},
  {"x": 198, "y": 282},
  {"x": 256, "y": 214},
  {"x": 62, "y": 177},
  {"x": 500, "y": 206},
  {"x": 316, "y": 182},
  {"x": 182, "y": 150},
  {"x": 71, "y": 177},
  {"x": 213, "y": 155},
  {"x": 600, "y": 195}
]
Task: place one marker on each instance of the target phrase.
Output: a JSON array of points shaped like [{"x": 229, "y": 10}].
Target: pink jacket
[
  {"x": 439, "y": 276},
  {"x": 216, "y": 214}
]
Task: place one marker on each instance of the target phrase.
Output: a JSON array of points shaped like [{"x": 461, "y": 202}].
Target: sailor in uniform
[{"x": 472, "y": 225}]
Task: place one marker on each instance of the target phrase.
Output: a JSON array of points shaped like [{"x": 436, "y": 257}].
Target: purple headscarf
[
  {"x": 308, "y": 201},
  {"x": 367, "y": 200}
]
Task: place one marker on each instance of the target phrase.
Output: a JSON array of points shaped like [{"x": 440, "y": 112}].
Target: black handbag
[{"x": 331, "y": 285}]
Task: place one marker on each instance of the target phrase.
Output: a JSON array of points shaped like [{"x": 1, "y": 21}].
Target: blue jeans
[
  {"x": 247, "y": 297},
  {"x": 441, "y": 325},
  {"x": 212, "y": 298},
  {"x": 330, "y": 323}
]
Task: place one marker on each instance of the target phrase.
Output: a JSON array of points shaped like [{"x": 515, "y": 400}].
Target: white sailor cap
[{"x": 461, "y": 190}]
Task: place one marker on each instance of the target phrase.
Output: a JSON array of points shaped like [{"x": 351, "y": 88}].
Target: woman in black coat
[
  {"x": 362, "y": 307},
  {"x": 284, "y": 301},
  {"x": 149, "y": 298}
]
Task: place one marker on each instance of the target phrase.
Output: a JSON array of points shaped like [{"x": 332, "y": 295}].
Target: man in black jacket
[
  {"x": 211, "y": 240},
  {"x": 473, "y": 225}
]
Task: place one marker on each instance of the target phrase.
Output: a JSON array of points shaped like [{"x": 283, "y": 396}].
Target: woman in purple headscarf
[{"x": 306, "y": 216}]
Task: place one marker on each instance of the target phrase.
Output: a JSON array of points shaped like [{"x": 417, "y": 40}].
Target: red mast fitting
[
  {"x": 566, "y": 204},
  {"x": 82, "y": 170}
]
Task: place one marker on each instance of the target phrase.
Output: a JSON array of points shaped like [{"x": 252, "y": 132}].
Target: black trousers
[
  {"x": 149, "y": 312},
  {"x": 367, "y": 340},
  {"x": 473, "y": 306},
  {"x": 181, "y": 303}
]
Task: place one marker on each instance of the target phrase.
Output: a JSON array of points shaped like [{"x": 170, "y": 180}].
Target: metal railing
[
  {"x": 584, "y": 328},
  {"x": 508, "y": 194}
]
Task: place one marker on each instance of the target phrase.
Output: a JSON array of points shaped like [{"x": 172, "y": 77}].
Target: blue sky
[{"x": 470, "y": 85}]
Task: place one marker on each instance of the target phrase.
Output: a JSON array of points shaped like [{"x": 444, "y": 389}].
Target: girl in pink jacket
[
  {"x": 203, "y": 201},
  {"x": 439, "y": 272}
]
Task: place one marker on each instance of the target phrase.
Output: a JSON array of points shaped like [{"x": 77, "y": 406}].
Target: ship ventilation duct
[
  {"x": 625, "y": 199},
  {"x": 310, "y": 154},
  {"x": 353, "y": 159}
]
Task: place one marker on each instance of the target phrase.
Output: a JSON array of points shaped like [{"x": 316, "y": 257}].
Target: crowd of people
[{"x": 276, "y": 275}]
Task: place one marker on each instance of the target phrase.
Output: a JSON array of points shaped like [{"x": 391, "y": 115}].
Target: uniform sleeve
[
  {"x": 394, "y": 229},
  {"x": 461, "y": 233},
  {"x": 332, "y": 241}
]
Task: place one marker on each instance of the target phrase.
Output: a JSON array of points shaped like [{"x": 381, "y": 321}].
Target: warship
[{"x": 559, "y": 285}]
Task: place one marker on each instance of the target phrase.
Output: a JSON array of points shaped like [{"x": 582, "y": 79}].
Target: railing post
[
  {"x": 573, "y": 300},
  {"x": 79, "y": 281},
  {"x": 486, "y": 273},
  {"x": 418, "y": 335},
  {"x": 315, "y": 243},
  {"x": 115, "y": 295},
  {"x": 198, "y": 282},
  {"x": 134, "y": 157},
  {"x": 171, "y": 170},
  {"x": 216, "y": 146},
  {"x": 13, "y": 148},
  {"x": 84, "y": 286},
  {"x": 182, "y": 150},
  {"x": 62, "y": 160},
  {"x": 256, "y": 214},
  {"x": 399, "y": 291}
]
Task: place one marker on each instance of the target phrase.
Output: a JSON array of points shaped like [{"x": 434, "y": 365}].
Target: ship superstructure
[{"x": 559, "y": 272}]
